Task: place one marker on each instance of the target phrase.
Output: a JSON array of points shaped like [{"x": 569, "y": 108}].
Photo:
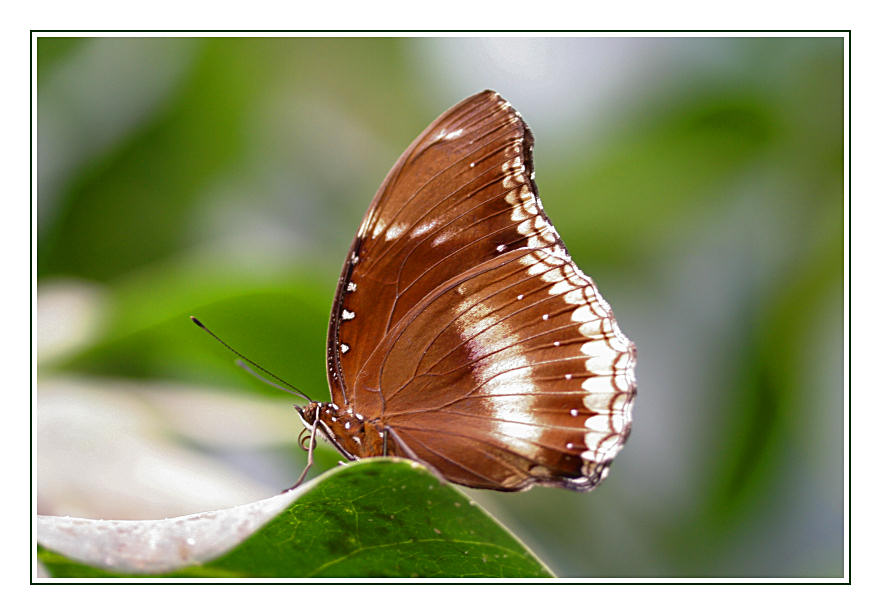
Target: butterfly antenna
[
  {"x": 293, "y": 390},
  {"x": 245, "y": 367}
]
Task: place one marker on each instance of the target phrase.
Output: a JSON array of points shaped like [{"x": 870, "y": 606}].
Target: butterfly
[{"x": 462, "y": 334}]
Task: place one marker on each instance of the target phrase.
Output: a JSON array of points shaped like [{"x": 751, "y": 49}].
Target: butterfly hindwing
[{"x": 518, "y": 359}]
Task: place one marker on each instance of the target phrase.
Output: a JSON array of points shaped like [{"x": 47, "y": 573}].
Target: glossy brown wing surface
[
  {"x": 511, "y": 374},
  {"x": 460, "y": 195}
]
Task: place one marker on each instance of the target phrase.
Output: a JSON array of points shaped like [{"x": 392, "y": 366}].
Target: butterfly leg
[{"x": 310, "y": 458}]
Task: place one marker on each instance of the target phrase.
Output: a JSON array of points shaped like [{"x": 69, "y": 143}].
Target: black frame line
[{"x": 35, "y": 33}]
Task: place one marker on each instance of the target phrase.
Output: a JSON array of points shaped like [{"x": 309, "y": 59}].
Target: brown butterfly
[{"x": 462, "y": 333}]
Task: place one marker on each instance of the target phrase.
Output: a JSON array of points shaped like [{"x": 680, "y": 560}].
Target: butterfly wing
[
  {"x": 462, "y": 325},
  {"x": 511, "y": 374},
  {"x": 461, "y": 193}
]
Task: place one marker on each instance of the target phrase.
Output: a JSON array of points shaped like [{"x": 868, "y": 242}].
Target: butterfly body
[
  {"x": 348, "y": 432},
  {"x": 462, "y": 333}
]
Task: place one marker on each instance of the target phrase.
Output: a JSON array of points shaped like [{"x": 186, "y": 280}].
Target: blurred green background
[{"x": 698, "y": 180}]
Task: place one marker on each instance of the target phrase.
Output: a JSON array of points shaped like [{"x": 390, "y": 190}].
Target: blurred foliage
[
  {"x": 708, "y": 207},
  {"x": 651, "y": 177}
]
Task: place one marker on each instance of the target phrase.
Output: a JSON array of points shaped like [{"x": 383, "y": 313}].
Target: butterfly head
[{"x": 312, "y": 411}]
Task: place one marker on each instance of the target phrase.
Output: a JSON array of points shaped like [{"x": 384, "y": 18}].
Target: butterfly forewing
[
  {"x": 461, "y": 193},
  {"x": 462, "y": 327}
]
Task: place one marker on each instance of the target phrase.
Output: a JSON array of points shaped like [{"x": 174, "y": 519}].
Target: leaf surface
[{"x": 374, "y": 518}]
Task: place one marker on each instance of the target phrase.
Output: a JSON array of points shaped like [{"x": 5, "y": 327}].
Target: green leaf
[{"x": 375, "y": 518}]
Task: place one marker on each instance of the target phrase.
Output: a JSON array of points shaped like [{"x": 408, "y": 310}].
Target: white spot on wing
[
  {"x": 592, "y": 439},
  {"x": 598, "y": 384},
  {"x": 378, "y": 228},
  {"x": 584, "y": 314},
  {"x": 347, "y": 315},
  {"x": 441, "y": 238},
  {"x": 423, "y": 228},
  {"x": 443, "y": 135},
  {"x": 394, "y": 231},
  {"x": 598, "y": 422}
]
